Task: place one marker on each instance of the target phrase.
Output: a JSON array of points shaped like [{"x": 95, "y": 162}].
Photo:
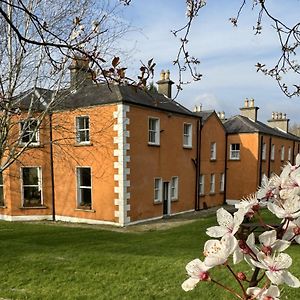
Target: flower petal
[
  {"x": 291, "y": 280},
  {"x": 189, "y": 284}
]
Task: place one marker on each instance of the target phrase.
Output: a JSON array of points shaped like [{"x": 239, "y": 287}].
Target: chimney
[
  {"x": 249, "y": 110},
  {"x": 279, "y": 120},
  {"x": 165, "y": 84},
  {"x": 81, "y": 74}
]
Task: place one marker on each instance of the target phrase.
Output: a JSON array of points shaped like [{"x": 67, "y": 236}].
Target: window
[
  {"x": 157, "y": 189},
  {"x": 263, "y": 151},
  {"x": 234, "y": 151},
  {"x": 32, "y": 186},
  {"x": 222, "y": 182},
  {"x": 213, "y": 151},
  {"x": 30, "y": 132},
  {"x": 290, "y": 154},
  {"x": 83, "y": 130},
  {"x": 212, "y": 183},
  {"x": 272, "y": 152},
  {"x": 84, "y": 187},
  {"x": 282, "y": 153},
  {"x": 187, "y": 135},
  {"x": 201, "y": 185},
  {"x": 1, "y": 190},
  {"x": 174, "y": 188},
  {"x": 154, "y": 131}
]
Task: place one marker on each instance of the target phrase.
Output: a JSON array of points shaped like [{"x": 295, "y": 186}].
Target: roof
[
  {"x": 100, "y": 94},
  {"x": 204, "y": 115},
  {"x": 241, "y": 124}
]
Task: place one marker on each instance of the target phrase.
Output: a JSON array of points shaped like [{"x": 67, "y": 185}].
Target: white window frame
[
  {"x": 154, "y": 133},
  {"x": 273, "y": 152},
  {"x": 174, "y": 188},
  {"x": 79, "y": 187},
  {"x": 187, "y": 135},
  {"x": 213, "y": 151},
  {"x": 33, "y": 134},
  {"x": 264, "y": 151},
  {"x": 234, "y": 154},
  {"x": 201, "y": 185},
  {"x": 212, "y": 187},
  {"x": 222, "y": 182},
  {"x": 85, "y": 130},
  {"x": 282, "y": 153},
  {"x": 290, "y": 154},
  {"x": 157, "y": 190},
  {"x": 2, "y": 202},
  {"x": 39, "y": 185}
]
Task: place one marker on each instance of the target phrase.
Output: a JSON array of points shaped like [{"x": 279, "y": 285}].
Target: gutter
[
  {"x": 198, "y": 155},
  {"x": 260, "y": 159},
  {"x": 225, "y": 167},
  {"x": 269, "y": 157}
]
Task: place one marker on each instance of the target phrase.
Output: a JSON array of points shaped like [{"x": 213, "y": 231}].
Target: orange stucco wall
[
  {"x": 242, "y": 174},
  {"x": 212, "y": 132},
  {"x": 168, "y": 159}
]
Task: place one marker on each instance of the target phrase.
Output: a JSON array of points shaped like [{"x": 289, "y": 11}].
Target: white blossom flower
[
  {"x": 272, "y": 293},
  {"x": 276, "y": 267},
  {"x": 245, "y": 250},
  {"x": 197, "y": 271},
  {"x": 248, "y": 205},
  {"x": 217, "y": 252},
  {"x": 290, "y": 208},
  {"x": 270, "y": 243},
  {"x": 293, "y": 231},
  {"x": 228, "y": 224},
  {"x": 269, "y": 188}
]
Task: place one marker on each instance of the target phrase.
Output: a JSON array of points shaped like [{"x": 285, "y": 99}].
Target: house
[
  {"x": 107, "y": 155},
  {"x": 212, "y": 159},
  {"x": 255, "y": 149}
]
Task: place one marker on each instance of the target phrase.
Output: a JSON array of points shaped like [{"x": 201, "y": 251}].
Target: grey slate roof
[
  {"x": 91, "y": 95},
  {"x": 204, "y": 115},
  {"x": 241, "y": 124}
]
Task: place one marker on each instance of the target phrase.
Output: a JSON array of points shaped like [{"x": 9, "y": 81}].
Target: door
[{"x": 166, "y": 199}]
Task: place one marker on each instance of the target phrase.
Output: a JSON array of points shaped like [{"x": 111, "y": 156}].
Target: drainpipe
[
  {"x": 52, "y": 168},
  {"x": 269, "y": 157},
  {"x": 197, "y": 198},
  {"x": 260, "y": 160},
  {"x": 293, "y": 154},
  {"x": 225, "y": 167}
]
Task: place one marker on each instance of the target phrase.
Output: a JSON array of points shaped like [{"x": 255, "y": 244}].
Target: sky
[{"x": 228, "y": 54}]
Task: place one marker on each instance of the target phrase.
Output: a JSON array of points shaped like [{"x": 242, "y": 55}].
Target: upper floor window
[
  {"x": 222, "y": 182},
  {"x": 174, "y": 188},
  {"x": 234, "y": 151},
  {"x": 154, "y": 131},
  {"x": 213, "y": 151},
  {"x": 187, "y": 135},
  {"x": 30, "y": 132},
  {"x": 1, "y": 190},
  {"x": 290, "y": 154},
  {"x": 157, "y": 189},
  {"x": 201, "y": 184},
  {"x": 83, "y": 130},
  {"x": 264, "y": 151},
  {"x": 32, "y": 186},
  {"x": 212, "y": 183},
  {"x": 273, "y": 152},
  {"x": 282, "y": 153},
  {"x": 84, "y": 187}
]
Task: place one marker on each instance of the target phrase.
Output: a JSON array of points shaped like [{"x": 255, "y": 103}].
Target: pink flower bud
[
  {"x": 204, "y": 276},
  {"x": 266, "y": 250},
  {"x": 296, "y": 230},
  {"x": 241, "y": 276},
  {"x": 268, "y": 298}
]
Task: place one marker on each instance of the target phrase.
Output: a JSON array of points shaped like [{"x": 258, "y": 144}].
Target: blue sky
[{"x": 228, "y": 55}]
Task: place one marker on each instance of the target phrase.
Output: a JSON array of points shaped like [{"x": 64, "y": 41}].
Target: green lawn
[{"x": 42, "y": 261}]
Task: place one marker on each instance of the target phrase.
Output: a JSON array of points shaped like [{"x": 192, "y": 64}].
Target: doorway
[{"x": 166, "y": 199}]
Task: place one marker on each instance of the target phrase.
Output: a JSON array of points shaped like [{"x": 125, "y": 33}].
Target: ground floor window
[
  {"x": 1, "y": 190},
  {"x": 201, "y": 184},
  {"x": 84, "y": 187},
  {"x": 174, "y": 188},
  {"x": 157, "y": 189},
  {"x": 32, "y": 186}
]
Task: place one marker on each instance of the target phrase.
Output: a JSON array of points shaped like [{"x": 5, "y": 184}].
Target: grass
[{"x": 42, "y": 261}]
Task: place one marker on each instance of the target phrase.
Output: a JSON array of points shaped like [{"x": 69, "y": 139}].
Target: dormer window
[
  {"x": 187, "y": 135},
  {"x": 83, "y": 130}
]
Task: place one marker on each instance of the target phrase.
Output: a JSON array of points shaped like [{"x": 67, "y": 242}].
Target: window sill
[
  {"x": 85, "y": 209},
  {"x": 212, "y": 193},
  {"x": 32, "y": 145},
  {"x": 83, "y": 144},
  {"x": 34, "y": 207},
  {"x": 202, "y": 195},
  {"x": 174, "y": 200},
  {"x": 187, "y": 147},
  {"x": 234, "y": 159},
  {"x": 213, "y": 160},
  {"x": 153, "y": 144},
  {"x": 157, "y": 202},
  {"x": 3, "y": 206}
]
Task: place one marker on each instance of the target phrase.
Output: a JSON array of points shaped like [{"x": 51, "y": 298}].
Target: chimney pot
[
  {"x": 167, "y": 75},
  {"x": 273, "y": 115},
  {"x": 252, "y": 102},
  {"x": 222, "y": 115},
  {"x": 246, "y": 103},
  {"x": 162, "y": 75}
]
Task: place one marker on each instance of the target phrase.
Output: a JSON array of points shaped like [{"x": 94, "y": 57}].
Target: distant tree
[{"x": 295, "y": 129}]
